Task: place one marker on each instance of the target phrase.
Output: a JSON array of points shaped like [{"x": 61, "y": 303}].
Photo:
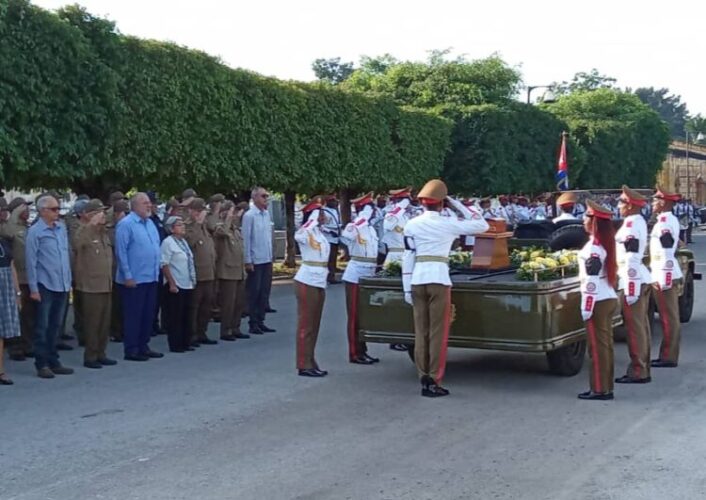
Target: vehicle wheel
[
  {"x": 410, "y": 352},
  {"x": 569, "y": 237},
  {"x": 567, "y": 361},
  {"x": 686, "y": 301}
]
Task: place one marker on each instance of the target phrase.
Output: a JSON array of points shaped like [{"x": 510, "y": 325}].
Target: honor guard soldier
[
  {"x": 93, "y": 275},
  {"x": 332, "y": 230},
  {"x": 426, "y": 282},
  {"x": 362, "y": 242},
  {"x": 394, "y": 223},
  {"x": 598, "y": 277},
  {"x": 310, "y": 287},
  {"x": 634, "y": 280},
  {"x": 666, "y": 274},
  {"x": 566, "y": 202}
]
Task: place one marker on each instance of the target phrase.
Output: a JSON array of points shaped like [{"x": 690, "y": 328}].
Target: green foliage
[
  {"x": 696, "y": 126},
  {"x": 583, "y": 82},
  {"x": 332, "y": 71},
  {"x": 668, "y": 106},
  {"x": 625, "y": 141}
]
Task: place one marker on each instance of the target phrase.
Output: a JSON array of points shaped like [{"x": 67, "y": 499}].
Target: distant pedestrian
[{"x": 10, "y": 300}]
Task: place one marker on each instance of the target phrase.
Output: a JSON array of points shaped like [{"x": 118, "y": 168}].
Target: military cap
[
  {"x": 217, "y": 198},
  {"x": 197, "y": 204},
  {"x": 227, "y": 205},
  {"x": 83, "y": 197},
  {"x": 434, "y": 190},
  {"x": 79, "y": 206},
  {"x": 401, "y": 193},
  {"x": 16, "y": 202},
  {"x": 173, "y": 202},
  {"x": 663, "y": 194},
  {"x": 363, "y": 200},
  {"x": 121, "y": 206},
  {"x": 314, "y": 204},
  {"x": 484, "y": 200},
  {"x": 633, "y": 197},
  {"x": 116, "y": 196},
  {"x": 93, "y": 205},
  {"x": 568, "y": 198},
  {"x": 595, "y": 210},
  {"x": 330, "y": 197},
  {"x": 243, "y": 205},
  {"x": 188, "y": 193}
]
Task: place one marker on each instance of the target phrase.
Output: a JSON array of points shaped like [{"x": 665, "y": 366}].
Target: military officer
[
  {"x": 666, "y": 274},
  {"x": 310, "y": 287},
  {"x": 72, "y": 221},
  {"x": 362, "y": 242},
  {"x": 332, "y": 230},
  {"x": 566, "y": 202},
  {"x": 215, "y": 204},
  {"x": 201, "y": 243},
  {"x": 426, "y": 282},
  {"x": 119, "y": 209},
  {"x": 598, "y": 277},
  {"x": 230, "y": 271},
  {"x": 395, "y": 221},
  {"x": 634, "y": 280},
  {"x": 113, "y": 198}
]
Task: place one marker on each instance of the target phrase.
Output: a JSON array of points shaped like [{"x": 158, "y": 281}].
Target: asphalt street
[{"x": 233, "y": 421}]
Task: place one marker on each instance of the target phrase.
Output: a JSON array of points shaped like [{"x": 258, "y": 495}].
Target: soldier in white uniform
[
  {"x": 362, "y": 242},
  {"x": 566, "y": 203},
  {"x": 598, "y": 277},
  {"x": 634, "y": 280},
  {"x": 426, "y": 281},
  {"x": 332, "y": 230},
  {"x": 310, "y": 287},
  {"x": 501, "y": 210},
  {"x": 522, "y": 213},
  {"x": 666, "y": 273},
  {"x": 395, "y": 221}
]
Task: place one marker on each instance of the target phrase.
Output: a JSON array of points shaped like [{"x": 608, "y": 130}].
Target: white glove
[
  {"x": 586, "y": 315},
  {"x": 460, "y": 207},
  {"x": 408, "y": 298}
]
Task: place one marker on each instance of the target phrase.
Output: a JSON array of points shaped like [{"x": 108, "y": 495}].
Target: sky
[{"x": 641, "y": 43}]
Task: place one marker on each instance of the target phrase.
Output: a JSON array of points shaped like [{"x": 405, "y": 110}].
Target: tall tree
[
  {"x": 332, "y": 71},
  {"x": 583, "y": 81},
  {"x": 696, "y": 126},
  {"x": 668, "y": 106}
]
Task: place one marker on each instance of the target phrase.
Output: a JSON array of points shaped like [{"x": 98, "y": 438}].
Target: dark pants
[
  {"x": 159, "y": 304},
  {"x": 177, "y": 313},
  {"x": 50, "y": 313},
  {"x": 259, "y": 284},
  {"x": 116, "y": 317},
  {"x": 201, "y": 304},
  {"x": 22, "y": 346},
  {"x": 332, "y": 262},
  {"x": 138, "y": 316}
]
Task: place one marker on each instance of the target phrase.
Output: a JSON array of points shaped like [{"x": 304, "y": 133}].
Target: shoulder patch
[
  {"x": 308, "y": 224},
  {"x": 663, "y": 218},
  {"x": 628, "y": 223},
  {"x": 394, "y": 211},
  {"x": 360, "y": 222}
]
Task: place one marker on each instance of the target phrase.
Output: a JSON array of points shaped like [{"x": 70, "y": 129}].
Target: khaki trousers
[
  {"x": 355, "y": 347},
  {"x": 432, "y": 319},
  {"x": 21, "y": 346},
  {"x": 639, "y": 334},
  {"x": 599, "y": 330},
  {"x": 232, "y": 303},
  {"x": 668, "y": 307},
  {"x": 310, "y": 305},
  {"x": 201, "y": 303},
  {"x": 96, "y": 323}
]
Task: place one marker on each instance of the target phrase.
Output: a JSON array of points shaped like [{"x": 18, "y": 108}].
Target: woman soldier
[{"x": 598, "y": 276}]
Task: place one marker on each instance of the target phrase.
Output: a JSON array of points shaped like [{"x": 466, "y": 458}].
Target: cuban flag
[{"x": 562, "y": 167}]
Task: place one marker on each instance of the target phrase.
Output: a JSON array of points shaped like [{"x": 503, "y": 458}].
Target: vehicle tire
[
  {"x": 410, "y": 352},
  {"x": 569, "y": 237},
  {"x": 567, "y": 361},
  {"x": 686, "y": 301}
]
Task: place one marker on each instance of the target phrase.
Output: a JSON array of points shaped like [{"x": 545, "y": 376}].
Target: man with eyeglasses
[{"x": 49, "y": 280}]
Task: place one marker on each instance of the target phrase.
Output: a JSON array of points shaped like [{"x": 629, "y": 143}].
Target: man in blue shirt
[
  {"x": 137, "y": 254},
  {"x": 49, "y": 280}
]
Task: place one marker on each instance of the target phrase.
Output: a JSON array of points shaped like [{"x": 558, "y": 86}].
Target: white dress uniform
[
  {"x": 332, "y": 225},
  {"x": 631, "y": 243},
  {"x": 314, "y": 247},
  {"x": 501, "y": 213},
  {"x": 563, "y": 216},
  {"x": 362, "y": 242},
  {"x": 594, "y": 287},
  {"x": 663, "y": 263},
  {"x": 522, "y": 214},
  {"x": 394, "y": 224}
]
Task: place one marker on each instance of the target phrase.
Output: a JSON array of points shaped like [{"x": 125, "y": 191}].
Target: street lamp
[
  {"x": 547, "y": 97},
  {"x": 699, "y": 137}
]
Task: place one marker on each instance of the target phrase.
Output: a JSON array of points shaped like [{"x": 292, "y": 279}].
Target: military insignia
[
  {"x": 628, "y": 223},
  {"x": 669, "y": 264},
  {"x": 591, "y": 287},
  {"x": 663, "y": 218},
  {"x": 632, "y": 272}
]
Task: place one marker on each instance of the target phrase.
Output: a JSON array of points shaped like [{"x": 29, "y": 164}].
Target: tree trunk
[{"x": 291, "y": 249}]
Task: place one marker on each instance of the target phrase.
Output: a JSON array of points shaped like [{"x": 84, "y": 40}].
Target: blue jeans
[
  {"x": 49, "y": 317},
  {"x": 139, "y": 311},
  {"x": 259, "y": 284}
]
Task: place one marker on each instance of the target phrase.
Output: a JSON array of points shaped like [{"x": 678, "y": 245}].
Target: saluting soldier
[
  {"x": 119, "y": 209},
  {"x": 115, "y": 197},
  {"x": 566, "y": 202},
  {"x": 230, "y": 271},
  {"x": 666, "y": 274},
  {"x": 332, "y": 230},
  {"x": 634, "y": 280},
  {"x": 201, "y": 243},
  {"x": 362, "y": 242},
  {"x": 426, "y": 282},
  {"x": 598, "y": 277},
  {"x": 310, "y": 287},
  {"x": 215, "y": 205},
  {"x": 394, "y": 223},
  {"x": 72, "y": 222},
  {"x": 93, "y": 255}
]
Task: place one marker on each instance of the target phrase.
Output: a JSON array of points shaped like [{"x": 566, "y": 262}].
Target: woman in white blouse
[{"x": 177, "y": 264}]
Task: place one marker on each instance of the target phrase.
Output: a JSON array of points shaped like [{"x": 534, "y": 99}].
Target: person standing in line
[
  {"x": 137, "y": 252},
  {"x": 598, "y": 276},
  {"x": 257, "y": 241},
  {"x": 119, "y": 210},
  {"x": 93, "y": 255},
  {"x": 157, "y": 329},
  {"x": 566, "y": 203},
  {"x": 666, "y": 275},
  {"x": 394, "y": 223},
  {"x": 361, "y": 239},
  {"x": 10, "y": 301},
  {"x": 49, "y": 279},
  {"x": 310, "y": 287},
  {"x": 635, "y": 281},
  {"x": 332, "y": 231},
  {"x": 426, "y": 282},
  {"x": 377, "y": 221},
  {"x": 179, "y": 273},
  {"x": 71, "y": 221}
]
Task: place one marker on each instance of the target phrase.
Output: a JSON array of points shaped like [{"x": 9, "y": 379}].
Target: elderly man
[
  {"x": 49, "y": 280},
  {"x": 137, "y": 251},
  {"x": 257, "y": 239}
]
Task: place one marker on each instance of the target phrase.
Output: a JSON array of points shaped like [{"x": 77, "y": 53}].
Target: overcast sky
[{"x": 641, "y": 43}]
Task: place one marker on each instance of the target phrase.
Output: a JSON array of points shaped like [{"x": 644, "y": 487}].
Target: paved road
[{"x": 233, "y": 421}]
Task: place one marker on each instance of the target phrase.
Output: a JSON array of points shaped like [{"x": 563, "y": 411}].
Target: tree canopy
[{"x": 668, "y": 106}]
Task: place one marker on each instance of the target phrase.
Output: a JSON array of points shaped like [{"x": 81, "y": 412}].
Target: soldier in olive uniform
[
  {"x": 120, "y": 209},
  {"x": 215, "y": 204},
  {"x": 93, "y": 256},
  {"x": 114, "y": 198},
  {"x": 201, "y": 243},
  {"x": 230, "y": 271}
]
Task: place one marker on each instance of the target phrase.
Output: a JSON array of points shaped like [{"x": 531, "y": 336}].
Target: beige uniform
[
  {"x": 201, "y": 244},
  {"x": 230, "y": 272}
]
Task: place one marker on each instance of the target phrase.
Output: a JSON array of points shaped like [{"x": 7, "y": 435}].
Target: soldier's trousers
[
  {"x": 22, "y": 346},
  {"x": 332, "y": 262},
  {"x": 97, "y": 308},
  {"x": 668, "y": 307},
  {"x": 432, "y": 320},
  {"x": 232, "y": 303},
  {"x": 201, "y": 302},
  {"x": 355, "y": 347},
  {"x": 639, "y": 335},
  {"x": 599, "y": 330},
  {"x": 310, "y": 306}
]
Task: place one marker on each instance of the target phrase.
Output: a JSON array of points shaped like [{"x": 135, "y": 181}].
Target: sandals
[{"x": 4, "y": 380}]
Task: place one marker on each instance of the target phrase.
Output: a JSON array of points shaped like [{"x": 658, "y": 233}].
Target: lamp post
[
  {"x": 699, "y": 137},
  {"x": 547, "y": 97}
]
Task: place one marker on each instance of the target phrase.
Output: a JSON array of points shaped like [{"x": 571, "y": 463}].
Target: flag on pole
[{"x": 562, "y": 167}]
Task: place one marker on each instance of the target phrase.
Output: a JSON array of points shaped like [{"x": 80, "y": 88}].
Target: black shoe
[
  {"x": 17, "y": 357},
  {"x": 66, "y": 336},
  {"x": 207, "y": 341},
  {"x": 255, "y": 330},
  {"x": 597, "y": 396},
  {"x": 241, "y": 335},
  {"x": 153, "y": 354},
  {"x": 312, "y": 372},
  {"x": 370, "y": 358},
  {"x": 266, "y": 329},
  {"x": 61, "y": 370},
  {"x": 136, "y": 357},
  {"x": 434, "y": 391},
  {"x": 322, "y": 373},
  {"x": 5, "y": 380},
  {"x": 631, "y": 380},
  {"x": 29, "y": 354},
  {"x": 177, "y": 350},
  {"x": 361, "y": 360},
  {"x": 195, "y": 344},
  {"x": 63, "y": 347},
  {"x": 658, "y": 363},
  {"x": 92, "y": 364},
  {"x": 398, "y": 347},
  {"x": 244, "y": 315},
  {"x": 45, "y": 373},
  {"x": 189, "y": 348},
  {"x": 270, "y": 310},
  {"x": 107, "y": 362},
  {"x": 228, "y": 338}
]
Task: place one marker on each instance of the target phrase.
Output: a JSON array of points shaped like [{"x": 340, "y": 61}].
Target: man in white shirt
[{"x": 566, "y": 203}]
